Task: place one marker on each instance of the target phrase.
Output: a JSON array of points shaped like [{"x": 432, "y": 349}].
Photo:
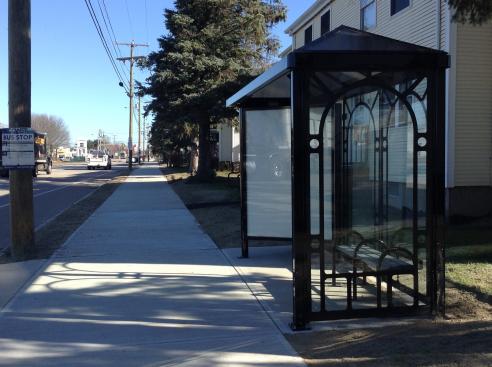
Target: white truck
[{"x": 98, "y": 159}]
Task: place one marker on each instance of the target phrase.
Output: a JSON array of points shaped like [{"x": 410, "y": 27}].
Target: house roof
[
  {"x": 345, "y": 49},
  {"x": 308, "y": 15}
]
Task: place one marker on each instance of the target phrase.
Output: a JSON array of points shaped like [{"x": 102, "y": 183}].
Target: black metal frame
[{"x": 300, "y": 66}]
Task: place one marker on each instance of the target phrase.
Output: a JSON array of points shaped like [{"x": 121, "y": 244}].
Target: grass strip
[{"x": 54, "y": 234}]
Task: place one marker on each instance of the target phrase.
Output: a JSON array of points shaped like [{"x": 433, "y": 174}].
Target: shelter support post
[
  {"x": 301, "y": 266},
  {"x": 243, "y": 192},
  {"x": 436, "y": 194}
]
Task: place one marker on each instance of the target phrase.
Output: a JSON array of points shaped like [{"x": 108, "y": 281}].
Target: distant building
[
  {"x": 80, "y": 148},
  {"x": 228, "y": 143},
  {"x": 224, "y": 145},
  {"x": 64, "y": 153}
]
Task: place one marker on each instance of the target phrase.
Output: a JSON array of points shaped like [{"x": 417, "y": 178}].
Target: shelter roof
[{"x": 343, "y": 49}]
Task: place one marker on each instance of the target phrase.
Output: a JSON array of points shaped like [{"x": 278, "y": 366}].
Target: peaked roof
[{"x": 350, "y": 40}]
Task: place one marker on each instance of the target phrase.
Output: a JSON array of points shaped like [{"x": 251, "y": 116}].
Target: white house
[
  {"x": 228, "y": 143},
  {"x": 469, "y": 80},
  {"x": 81, "y": 148}
]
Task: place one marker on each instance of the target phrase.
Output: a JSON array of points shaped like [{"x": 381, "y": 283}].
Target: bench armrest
[
  {"x": 350, "y": 234},
  {"x": 379, "y": 244},
  {"x": 395, "y": 250}
]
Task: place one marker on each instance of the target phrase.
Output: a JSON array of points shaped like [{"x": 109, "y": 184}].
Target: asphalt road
[{"x": 54, "y": 193}]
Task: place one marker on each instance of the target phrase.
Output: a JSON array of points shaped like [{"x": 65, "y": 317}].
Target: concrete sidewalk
[{"x": 140, "y": 284}]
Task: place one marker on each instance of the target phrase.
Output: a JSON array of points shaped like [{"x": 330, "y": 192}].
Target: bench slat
[{"x": 370, "y": 257}]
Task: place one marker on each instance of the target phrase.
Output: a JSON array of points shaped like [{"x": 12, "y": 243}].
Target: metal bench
[
  {"x": 235, "y": 169},
  {"x": 375, "y": 258}
]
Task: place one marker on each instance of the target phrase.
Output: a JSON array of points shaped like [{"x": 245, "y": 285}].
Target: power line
[
  {"x": 113, "y": 41},
  {"x": 103, "y": 41},
  {"x": 107, "y": 27},
  {"x": 112, "y": 31},
  {"x": 111, "y": 26}
]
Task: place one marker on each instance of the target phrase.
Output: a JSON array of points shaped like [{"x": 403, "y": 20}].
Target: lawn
[{"x": 469, "y": 258}]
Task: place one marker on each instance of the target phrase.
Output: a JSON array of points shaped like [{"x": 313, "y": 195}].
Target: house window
[
  {"x": 367, "y": 14},
  {"x": 308, "y": 35},
  {"x": 398, "y": 5},
  {"x": 325, "y": 23}
]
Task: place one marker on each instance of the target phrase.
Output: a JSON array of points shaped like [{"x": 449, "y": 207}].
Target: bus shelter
[{"x": 342, "y": 153}]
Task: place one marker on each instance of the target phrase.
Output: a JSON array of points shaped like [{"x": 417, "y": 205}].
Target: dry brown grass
[{"x": 423, "y": 343}]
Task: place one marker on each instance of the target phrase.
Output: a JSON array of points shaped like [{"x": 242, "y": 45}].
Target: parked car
[
  {"x": 98, "y": 159},
  {"x": 134, "y": 159}
]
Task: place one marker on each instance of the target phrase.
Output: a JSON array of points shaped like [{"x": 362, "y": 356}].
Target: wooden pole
[
  {"x": 144, "y": 138},
  {"x": 21, "y": 187},
  {"x": 130, "y": 94},
  {"x": 130, "y": 129},
  {"x": 139, "y": 133}
]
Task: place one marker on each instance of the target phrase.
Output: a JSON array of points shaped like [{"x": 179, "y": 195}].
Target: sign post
[{"x": 21, "y": 186}]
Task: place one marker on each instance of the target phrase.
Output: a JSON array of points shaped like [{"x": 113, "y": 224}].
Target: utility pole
[
  {"x": 144, "y": 133},
  {"x": 131, "y": 59},
  {"x": 21, "y": 196},
  {"x": 99, "y": 133},
  {"x": 139, "y": 132}
]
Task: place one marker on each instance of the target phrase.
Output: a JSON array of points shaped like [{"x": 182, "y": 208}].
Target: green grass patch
[
  {"x": 470, "y": 253},
  {"x": 469, "y": 258},
  {"x": 473, "y": 276}
]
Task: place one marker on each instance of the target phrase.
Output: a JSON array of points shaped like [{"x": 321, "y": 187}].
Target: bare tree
[{"x": 54, "y": 126}]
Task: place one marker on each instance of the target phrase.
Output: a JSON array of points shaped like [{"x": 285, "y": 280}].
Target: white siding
[
  {"x": 469, "y": 154},
  {"x": 235, "y": 144},
  {"x": 473, "y": 130},
  {"x": 299, "y": 38},
  {"x": 345, "y": 12},
  {"x": 416, "y": 24},
  {"x": 225, "y": 142},
  {"x": 445, "y": 17}
]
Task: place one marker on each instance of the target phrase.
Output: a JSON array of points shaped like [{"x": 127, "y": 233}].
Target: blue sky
[{"x": 71, "y": 74}]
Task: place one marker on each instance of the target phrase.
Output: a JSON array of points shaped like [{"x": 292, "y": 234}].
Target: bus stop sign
[{"x": 17, "y": 148}]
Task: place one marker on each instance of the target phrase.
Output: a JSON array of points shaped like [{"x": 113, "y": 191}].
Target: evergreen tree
[
  {"x": 211, "y": 49},
  {"x": 471, "y": 11}
]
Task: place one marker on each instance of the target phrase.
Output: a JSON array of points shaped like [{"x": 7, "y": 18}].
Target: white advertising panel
[
  {"x": 268, "y": 173},
  {"x": 17, "y": 148}
]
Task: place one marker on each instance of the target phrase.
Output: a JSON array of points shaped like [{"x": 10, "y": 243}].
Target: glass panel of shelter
[{"x": 368, "y": 191}]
